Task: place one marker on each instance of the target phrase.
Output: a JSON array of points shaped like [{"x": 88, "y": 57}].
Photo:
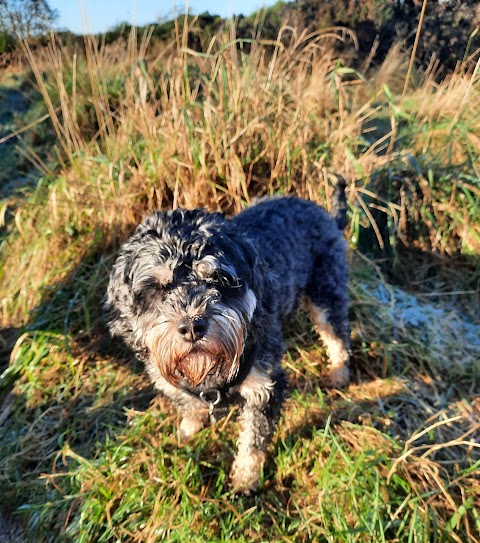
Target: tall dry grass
[
  {"x": 141, "y": 128},
  {"x": 185, "y": 129}
]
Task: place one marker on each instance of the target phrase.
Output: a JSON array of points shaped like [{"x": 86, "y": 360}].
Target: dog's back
[
  {"x": 296, "y": 239},
  {"x": 278, "y": 224},
  {"x": 277, "y": 213}
]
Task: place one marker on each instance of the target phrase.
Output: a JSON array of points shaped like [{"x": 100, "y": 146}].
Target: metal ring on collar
[{"x": 207, "y": 396}]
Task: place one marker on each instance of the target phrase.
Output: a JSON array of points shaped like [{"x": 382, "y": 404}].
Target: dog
[{"x": 201, "y": 299}]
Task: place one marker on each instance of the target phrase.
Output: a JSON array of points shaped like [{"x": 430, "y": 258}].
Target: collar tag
[{"x": 212, "y": 398}]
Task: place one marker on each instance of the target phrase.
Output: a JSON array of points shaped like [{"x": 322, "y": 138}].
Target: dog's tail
[{"x": 339, "y": 204}]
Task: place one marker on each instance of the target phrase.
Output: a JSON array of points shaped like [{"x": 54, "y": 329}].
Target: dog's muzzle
[{"x": 199, "y": 351}]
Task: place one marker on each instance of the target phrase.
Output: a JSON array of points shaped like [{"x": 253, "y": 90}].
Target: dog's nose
[{"x": 192, "y": 329}]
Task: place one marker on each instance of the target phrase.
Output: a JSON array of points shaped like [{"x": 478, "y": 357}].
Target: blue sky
[{"x": 102, "y": 14}]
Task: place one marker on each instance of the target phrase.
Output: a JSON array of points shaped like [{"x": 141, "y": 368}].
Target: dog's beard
[{"x": 214, "y": 358}]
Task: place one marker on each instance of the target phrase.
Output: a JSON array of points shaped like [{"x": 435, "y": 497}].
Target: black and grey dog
[{"x": 200, "y": 299}]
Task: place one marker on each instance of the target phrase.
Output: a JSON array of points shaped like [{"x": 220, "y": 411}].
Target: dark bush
[{"x": 448, "y": 32}]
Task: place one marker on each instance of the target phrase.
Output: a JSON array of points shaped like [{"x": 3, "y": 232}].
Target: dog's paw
[
  {"x": 245, "y": 473},
  {"x": 190, "y": 426},
  {"x": 338, "y": 376}
]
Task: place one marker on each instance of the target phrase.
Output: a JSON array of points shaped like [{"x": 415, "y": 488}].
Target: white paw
[
  {"x": 338, "y": 376},
  {"x": 245, "y": 472},
  {"x": 190, "y": 426}
]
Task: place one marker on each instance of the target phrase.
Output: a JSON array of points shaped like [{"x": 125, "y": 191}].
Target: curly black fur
[{"x": 201, "y": 299}]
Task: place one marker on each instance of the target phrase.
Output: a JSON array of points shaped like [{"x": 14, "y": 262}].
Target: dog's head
[{"x": 182, "y": 293}]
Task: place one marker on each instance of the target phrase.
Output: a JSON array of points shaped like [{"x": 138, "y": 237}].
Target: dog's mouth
[
  {"x": 201, "y": 369},
  {"x": 197, "y": 365}
]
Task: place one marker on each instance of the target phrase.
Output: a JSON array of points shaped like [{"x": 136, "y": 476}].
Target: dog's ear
[
  {"x": 118, "y": 305},
  {"x": 251, "y": 267}
]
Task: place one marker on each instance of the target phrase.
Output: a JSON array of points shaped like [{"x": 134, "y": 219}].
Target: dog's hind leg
[
  {"x": 335, "y": 340},
  {"x": 327, "y": 303}
]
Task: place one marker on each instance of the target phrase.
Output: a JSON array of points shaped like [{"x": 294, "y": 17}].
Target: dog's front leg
[
  {"x": 193, "y": 411},
  {"x": 194, "y": 417},
  {"x": 263, "y": 396}
]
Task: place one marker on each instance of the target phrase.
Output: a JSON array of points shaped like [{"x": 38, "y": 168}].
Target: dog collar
[{"x": 213, "y": 397}]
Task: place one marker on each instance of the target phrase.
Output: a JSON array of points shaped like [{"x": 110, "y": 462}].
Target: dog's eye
[
  {"x": 227, "y": 279},
  {"x": 211, "y": 271},
  {"x": 149, "y": 290}
]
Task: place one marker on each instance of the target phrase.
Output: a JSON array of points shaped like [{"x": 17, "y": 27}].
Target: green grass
[
  {"x": 87, "y": 458},
  {"x": 89, "y": 454}
]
